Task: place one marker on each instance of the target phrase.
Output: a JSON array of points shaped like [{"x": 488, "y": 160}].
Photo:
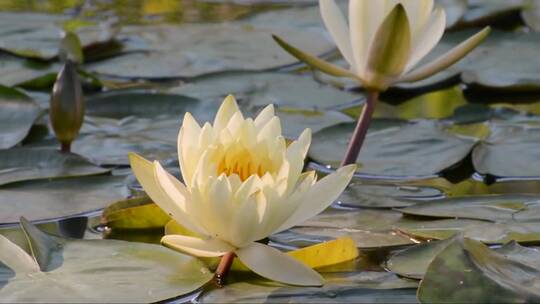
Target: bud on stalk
[{"x": 67, "y": 106}]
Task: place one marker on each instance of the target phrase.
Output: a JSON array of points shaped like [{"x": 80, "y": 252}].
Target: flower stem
[
  {"x": 360, "y": 131},
  {"x": 65, "y": 147},
  {"x": 223, "y": 268}
]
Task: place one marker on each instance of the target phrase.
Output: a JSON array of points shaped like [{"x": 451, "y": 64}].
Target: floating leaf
[
  {"x": 492, "y": 155},
  {"x": 17, "y": 115},
  {"x": 74, "y": 271},
  {"x": 46, "y": 200},
  {"x": 490, "y": 207},
  {"x": 134, "y": 213},
  {"x": 20, "y": 164},
  {"x": 260, "y": 89},
  {"x": 468, "y": 271},
  {"x": 168, "y": 51},
  {"x": 26, "y": 72},
  {"x": 359, "y": 287},
  {"x": 384, "y": 196},
  {"x": 413, "y": 262},
  {"x": 401, "y": 150},
  {"x": 486, "y": 232}
]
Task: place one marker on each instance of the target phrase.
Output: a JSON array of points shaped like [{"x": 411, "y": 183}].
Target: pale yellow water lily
[
  {"x": 384, "y": 40},
  {"x": 242, "y": 183}
]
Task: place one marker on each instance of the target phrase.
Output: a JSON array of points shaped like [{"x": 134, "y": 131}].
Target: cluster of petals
[
  {"x": 241, "y": 183},
  {"x": 385, "y": 40}
]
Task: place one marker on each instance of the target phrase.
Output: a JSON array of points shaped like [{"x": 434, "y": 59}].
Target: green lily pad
[
  {"x": 370, "y": 229},
  {"x": 97, "y": 271},
  {"x": 489, "y": 207},
  {"x": 168, "y": 51},
  {"x": 26, "y": 72},
  {"x": 531, "y": 14},
  {"x": 295, "y": 121},
  {"x": 491, "y": 155},
  {"x": 482, "y": 13},
  {"x": 360, "y": 287},
  {"x": 384, "y": 196},
  {"x": 17, "y": 115},
  {"x": 260, "y": 89},
  {"x": 509, "y": 63},
  {"x": 135, "y": 213},
  {"x": 20, "y": 164},
  {"x": 143, "y": 104},
  {"x": 46, "y": 200},
  {"x": 468, "y": 271},
  {"x": 38, "y": 36},
  {"x": 400, "y": 150},
  {"x": 485, "y": 232},
  {"x": 414, "y": 261}
]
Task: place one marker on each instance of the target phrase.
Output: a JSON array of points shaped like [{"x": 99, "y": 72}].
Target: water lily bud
[
  {"x": 67, "y": 105},
  {"x": 383, "y": 41},
  {"x": 242, "y": 183},
  {"x": 71, "y": 48}
]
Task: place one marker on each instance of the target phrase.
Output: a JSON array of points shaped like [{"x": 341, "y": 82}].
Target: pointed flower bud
[
  {"x": 67, "y": 105},
  {"x": 384, "y": 40}
]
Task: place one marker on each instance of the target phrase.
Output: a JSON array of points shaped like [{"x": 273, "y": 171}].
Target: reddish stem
[
  {"x": 223, "y": 268},
  {"x": 65, "y": 147},
  {"x": 361, "y": 129}
]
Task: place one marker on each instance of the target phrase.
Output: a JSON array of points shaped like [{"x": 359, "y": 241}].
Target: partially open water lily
[
  {"x": 241, "y": 184},
  {"x": 384, "y": 40}
]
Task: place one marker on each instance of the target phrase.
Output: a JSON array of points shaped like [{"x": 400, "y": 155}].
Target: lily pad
[
  {"x": 17, "y": 115},
  {"x": 117, "y": 137},
  {"x": 508, "y": 64},
  {"x": 361, "y": 287},
  {"x": 38, "y": 36},
  {"x": 142, "y": 104},
  {"x": 491, "y": 155},
  {"x": 485, "y": 232},
  {"x": 370, "y": 229},
  {"x": 46, "y": 200},
  {"x": 135, "y": 213},
  {"x": 489, "y": 207},
  {"x": 167, "y": 51},
  {"x": 97, "y": 271},
  {"x": 26, "y": 72},
  {"x": 468, "y": 271},
  {"x": 260, "y": 89},
  {"x": 20, "y": 164},
  {"x": 400, "y": 150},
  {"x": 384, "y": 196}
]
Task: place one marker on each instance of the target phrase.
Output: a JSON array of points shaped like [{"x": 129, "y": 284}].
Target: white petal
[
  {"x": 197, "y": 247},
  {"x": 16, "y": 258},
  {"x": 320, "y": 196},
  {"x": 270, "y": 131},
  {"x": 295, "y": 155},
  {"x": 365, "y": 16},
  {"x": 418, "y": 13},
  {"x": 275, "y": 265},
  {"x": 337, "y": 26},
  {"x": 144, "y": 171},
  {"x": 228, "y": 108},
  {"x": 264, "y": 117},
  {"x": 187, "y": 138},
  {"x": 428, "y": 38},
  {"x": 245, "y": 223}
]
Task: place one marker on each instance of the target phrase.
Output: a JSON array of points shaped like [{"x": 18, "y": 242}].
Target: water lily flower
[
  {"x": 385, "y": 40},
  {"x": 242, "y": 183}
]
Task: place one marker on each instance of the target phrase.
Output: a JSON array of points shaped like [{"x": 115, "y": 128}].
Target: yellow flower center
[{"x": 242, "y": 163}]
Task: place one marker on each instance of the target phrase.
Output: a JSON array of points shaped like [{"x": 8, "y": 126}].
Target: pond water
[{"x": 457, "y": 152}]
